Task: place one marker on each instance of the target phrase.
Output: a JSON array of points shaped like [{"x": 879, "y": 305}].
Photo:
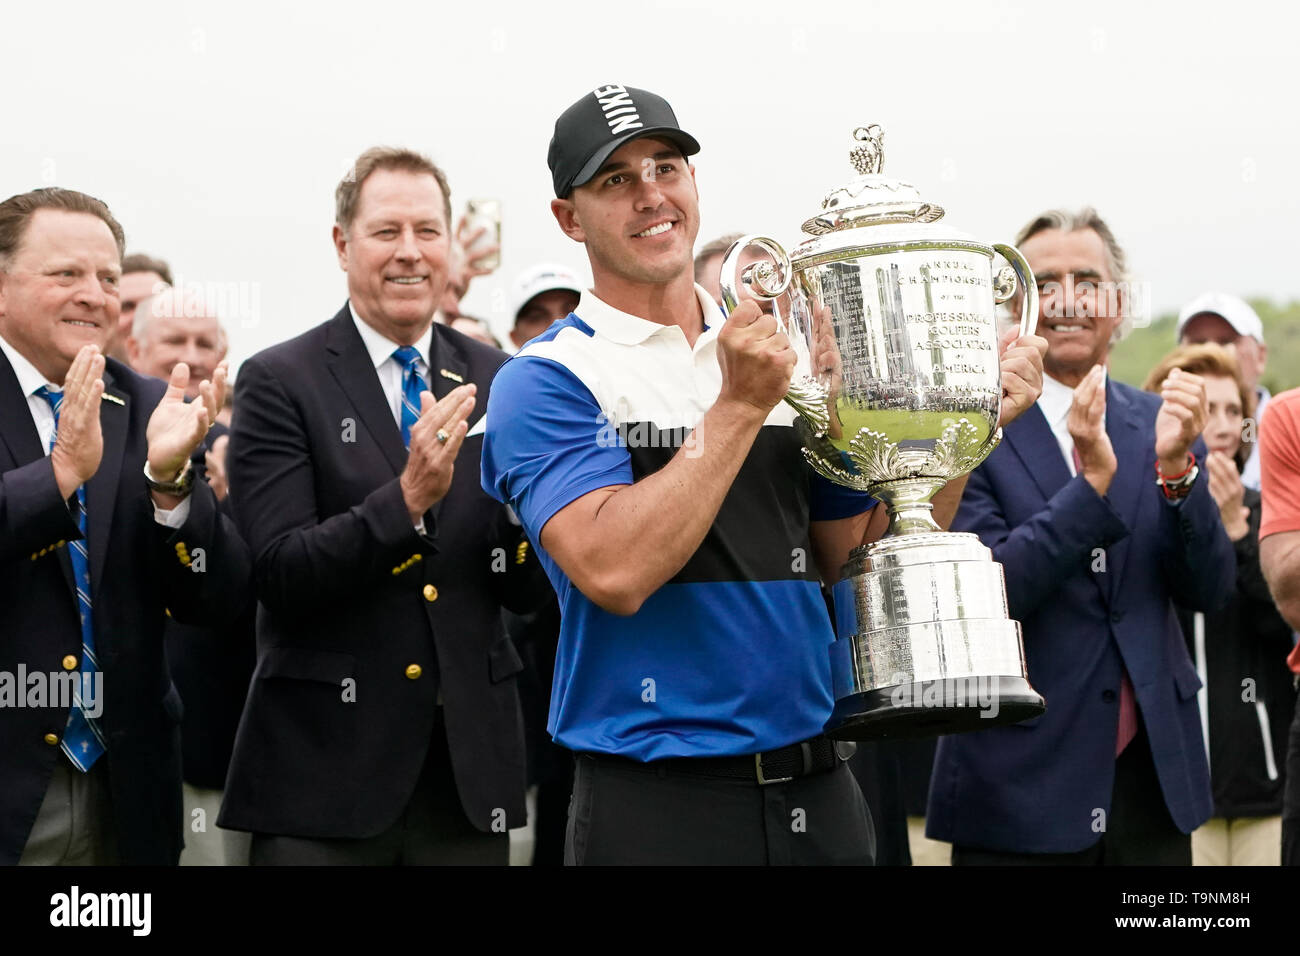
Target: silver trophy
[{"x": 893, "y": 321}]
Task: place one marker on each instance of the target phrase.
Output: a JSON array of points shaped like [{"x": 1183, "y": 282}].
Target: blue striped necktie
[
  {"x": 412, "y": 386},
  {"x": 83, "y": 741}
]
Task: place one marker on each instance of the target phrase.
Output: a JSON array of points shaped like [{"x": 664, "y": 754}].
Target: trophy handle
[
  {"x": 1025, "y": 276},
  {"x": 768, "y": 281},
  {"x": 765, "y": 280}
]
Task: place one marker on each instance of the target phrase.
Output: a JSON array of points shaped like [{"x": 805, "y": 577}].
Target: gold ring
[{"x": 442, "y": 436}]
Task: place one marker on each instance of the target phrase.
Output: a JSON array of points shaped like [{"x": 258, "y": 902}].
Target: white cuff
[{"x": 173, "y": 517}]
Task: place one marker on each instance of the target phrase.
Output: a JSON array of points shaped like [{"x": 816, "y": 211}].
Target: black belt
[{"x": 773, "y": 766}]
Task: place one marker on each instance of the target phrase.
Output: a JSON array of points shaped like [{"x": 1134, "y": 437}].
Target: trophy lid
[{"x": 870, "y": 198}]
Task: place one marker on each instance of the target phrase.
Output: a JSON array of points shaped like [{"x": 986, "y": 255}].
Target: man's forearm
[
  {"x": 1286, "y": 595},
  {"x": 644, "y": 533},
  {"x": 1201, "y": 565},
  {"x": 834, "y": 541},
  {"x": 1279, "y": 556},
  {"x": 947, "y": 500},
  {"x": 33, "y": 513}
]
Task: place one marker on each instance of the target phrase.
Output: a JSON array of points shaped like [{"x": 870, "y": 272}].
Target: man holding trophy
[{"x": 645, "y": 446}]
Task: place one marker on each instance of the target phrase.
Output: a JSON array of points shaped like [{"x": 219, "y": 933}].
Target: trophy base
[
  {"x": 925, "y": 645},
  {"x": 931, "y": 708}
]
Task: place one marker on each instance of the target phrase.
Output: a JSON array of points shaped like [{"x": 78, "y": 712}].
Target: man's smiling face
[
  {"x": 59, "y": 291},
  {"x": 1079, "y": 305},
  {"x": 639, "y": 215},
  {"x": 395, "y": 252}
]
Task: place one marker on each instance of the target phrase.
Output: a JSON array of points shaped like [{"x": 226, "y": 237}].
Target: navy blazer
[
  {"x": 1093, "y": 581},
  {"x": 211, "y": 667},
  {"x": 362, "y": 621},
  {"x": 138, "y": 572}
]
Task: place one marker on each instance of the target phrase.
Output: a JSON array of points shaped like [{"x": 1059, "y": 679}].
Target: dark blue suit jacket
[
  {"x": 137, "y": 577},
  {"x": 337, "y": 724},
  {"x": 1092, "y": 581},
  {"x": 211, "y": 667}
]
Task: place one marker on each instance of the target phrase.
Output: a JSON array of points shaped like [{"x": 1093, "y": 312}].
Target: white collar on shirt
[
  {"x": 627, "y": 329},
  {"x": 1055, "y": 400},
  {"x": 380, "y": 347},
  {"x": 29, "y": 379},
  {"x": 1055, "y": 403}
]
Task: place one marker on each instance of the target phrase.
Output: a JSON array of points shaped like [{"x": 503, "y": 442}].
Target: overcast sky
[{"x": 216, "y": 133}]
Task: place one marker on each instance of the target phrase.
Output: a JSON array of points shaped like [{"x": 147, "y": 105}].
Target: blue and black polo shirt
[{"x": 731, "y": 655}]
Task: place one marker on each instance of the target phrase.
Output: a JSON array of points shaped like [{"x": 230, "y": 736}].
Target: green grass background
[{"x": 1138, "y": 352}]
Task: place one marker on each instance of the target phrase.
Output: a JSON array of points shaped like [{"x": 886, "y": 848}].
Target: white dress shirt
[
  {"x": 30, "y": 380},
  {"x": 389, "y": 369},
  {"x": 1055, "y": 402}
]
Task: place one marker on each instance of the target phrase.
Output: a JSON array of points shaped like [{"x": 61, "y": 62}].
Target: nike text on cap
[{"x": 590, "y": 130}]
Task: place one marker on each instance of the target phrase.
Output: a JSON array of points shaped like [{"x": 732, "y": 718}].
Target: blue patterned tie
[
  {"x": 83, "y": 741},
  {"x": 412, "y": 386}
]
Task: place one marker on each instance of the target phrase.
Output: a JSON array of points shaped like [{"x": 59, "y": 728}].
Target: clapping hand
[
  {"x": 1087, "y": 425},
  {"x": 1228, "y": 492},
  {"x": 80, "y": 443},
  {"x": 435, "y": 441},
  {"x": 177, "y": 427},
  {"x": 1180, "y": 420},
  {"x": 214, "y": 461}
]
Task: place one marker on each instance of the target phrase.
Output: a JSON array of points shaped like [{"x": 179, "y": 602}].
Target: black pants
[
  {"x": 554, "y": 788},
  {"x": 879, "y": 771},
  {"x": 623, "y": 812},
  {"x": 1139, "y": 830},
  {"x": 1291, "y": 796},
  {"x": 432, "y": 831}
]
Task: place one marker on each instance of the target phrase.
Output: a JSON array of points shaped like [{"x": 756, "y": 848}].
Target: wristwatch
[{"x": 179, "y": 486}]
